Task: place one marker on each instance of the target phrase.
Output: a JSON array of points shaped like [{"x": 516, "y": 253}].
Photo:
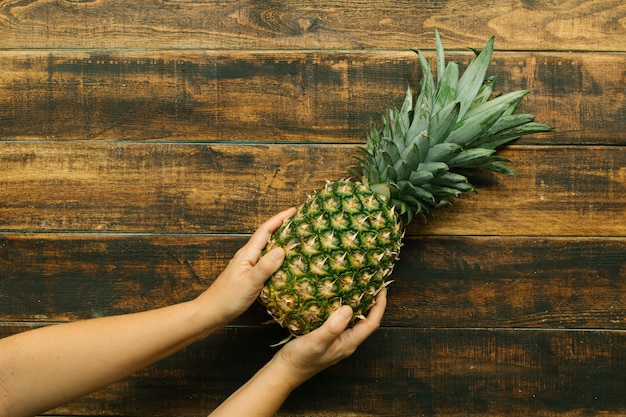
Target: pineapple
[{"x": 342, "y": 243}]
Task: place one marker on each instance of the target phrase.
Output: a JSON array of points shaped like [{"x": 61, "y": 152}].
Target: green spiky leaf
[
  {"x": 447, "y": 87},
  {"x": 421, "y": 177},
  {"x": 441, "y": 58},
  {"x": 481, "y": 118},
  {"x": 443, "y": 152},
  {"x": 425, "y": 150},
  {"x": 443, "y": 122},
  {"x": 436, "y": 168},
  {"x": 473, "y": 77}
]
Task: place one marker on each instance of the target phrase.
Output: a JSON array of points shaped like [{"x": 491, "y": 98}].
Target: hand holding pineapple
[
  {"x": 317, "y": 350},
  {"x": 40, "y": 370},
  {"x": 301, "y": 359},
  {"x": 235, "y": 290},
  {"x": 240, "y": 283}
]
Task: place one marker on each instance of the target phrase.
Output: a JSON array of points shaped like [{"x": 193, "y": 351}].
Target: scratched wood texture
[{"x": 142, "y": 142}]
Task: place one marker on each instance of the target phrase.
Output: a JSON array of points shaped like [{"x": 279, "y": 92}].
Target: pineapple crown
[{"x": 422, "y": 154}]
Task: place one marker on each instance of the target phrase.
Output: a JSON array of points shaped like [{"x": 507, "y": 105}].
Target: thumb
[
  {"x": 268, "y": 264},
  {"x": 335, "y": 325}
]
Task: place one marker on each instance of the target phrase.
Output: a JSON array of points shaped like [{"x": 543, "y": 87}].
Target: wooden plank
[
  {"x": 280, "y": 96},
  {"x": 140, "y": 144},
  {"x": 222, "y": 188},
  {"x": 206, "y": 24},
  {"x": 397, "y": 372},
  {"x": 439, "y": 282}
]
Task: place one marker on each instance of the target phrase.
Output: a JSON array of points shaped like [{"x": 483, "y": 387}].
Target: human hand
[
  {"x": 307, "y": 355},
  {"x": 300, "y": 359},
  {"x": 240, "y": 283}
]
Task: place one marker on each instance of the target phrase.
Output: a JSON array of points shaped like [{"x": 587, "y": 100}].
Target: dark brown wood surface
[
  {"x": 142, "y": 142},
  {"x": 399, "y": 372},
  {"x": 281, "y": 96},
  {"x": 440, "y": 281},
  {"x": 176, "y": 187}
]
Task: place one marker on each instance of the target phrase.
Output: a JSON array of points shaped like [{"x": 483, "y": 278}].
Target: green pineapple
[{"x": 342, "y": 243}]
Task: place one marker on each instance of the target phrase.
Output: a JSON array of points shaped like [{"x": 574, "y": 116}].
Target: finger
[
  {"x": 267, "y": 265},
  {"x": 334, "y": 326},
  {"x": 364, "y": 328},
  {"x": 260, "y": 237},
  {"x": 378, "y": 309}
]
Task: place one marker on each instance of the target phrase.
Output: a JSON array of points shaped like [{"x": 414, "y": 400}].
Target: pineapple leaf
[
  {"x": 405, "y": 111},
  {"x": 451, "y": 178},
  {"x": 424, "y": 100},
  {"x": 508, "y": 135},
  {"x": 454, "y": 180},
  {"x": 482, "y": 117},
  {"x": 402, "y": 169},
  {"x": 471, "y": 158},
  {"x": 381, "y": 188},
  {"x": 500, "y": 129},
  {"x": 393, "y": 151},
  {"x": 404, "y": 122},
  {"x": 473, "y": 77},
  {"x": 463, "y": 187},
  {"x": 423, "y": 195},
  {"x": 355, "y": 172},
  {"x": 443, "y": 123},
  {"x": 506, "y": 102},
  {"x": 484, "y": 92},
  {"x": 500, "y": 168},
  {"x": 390, "y": 174},
  {"x": 443, "y": 152},
  {"x": 402, "y": 208},
  {"x": 442, "y": 193},
  {"x": 382, "y": 161},
  {"x": 395, "y": 123},
  {"x": 409, "y": 190},
  {"x": 509, "y": 121},
  {"x": 411, "y": 155},
  {"x": 441, "y": 58},
  {"x": 446, "y": 87},
  {"x": 420, "y": 177},
  {"x": 436, "y": 168},
  {"x": 407, "y": 104},
  {"x": 423, "y": 144}
]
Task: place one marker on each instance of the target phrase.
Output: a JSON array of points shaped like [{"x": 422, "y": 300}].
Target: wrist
[
  {"x": 292, "y": 375},
  {"x": 204, "y": 318}
]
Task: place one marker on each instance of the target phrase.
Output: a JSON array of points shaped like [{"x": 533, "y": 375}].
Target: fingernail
[
  {"x": 345, "y": 312},
  {"x": 277, "y": 254}
]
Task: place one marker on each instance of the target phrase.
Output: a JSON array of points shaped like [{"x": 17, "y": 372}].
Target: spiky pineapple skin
[{"x": 340, "y": 247}]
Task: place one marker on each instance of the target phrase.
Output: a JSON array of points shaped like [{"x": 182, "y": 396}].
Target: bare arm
[
  {"x": 44, "y": 368},
  {"x": 47, "y": 367},
  {"x": 299, "y": 360}
]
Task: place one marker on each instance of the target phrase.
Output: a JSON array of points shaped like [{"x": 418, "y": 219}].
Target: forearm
[
  {"x": 263, "y": 394},
  {"x": 49, "y": 366}
]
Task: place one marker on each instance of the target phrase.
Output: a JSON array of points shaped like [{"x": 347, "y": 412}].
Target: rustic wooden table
[{"x": 142, "y": 142}]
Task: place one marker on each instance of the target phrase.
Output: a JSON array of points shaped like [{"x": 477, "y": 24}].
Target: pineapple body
[{"x": 340, "y": 247}]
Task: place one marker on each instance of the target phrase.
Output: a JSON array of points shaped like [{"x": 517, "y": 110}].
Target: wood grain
[
  {"x": 207, "y": 24},
  {"x": 439, "y": 282},
  {"x": 397, "y": 372},
  {"x": 142, "y": 142},
  {"x": 211, "y": 188},
  {"x": 275, "y": 96}
]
